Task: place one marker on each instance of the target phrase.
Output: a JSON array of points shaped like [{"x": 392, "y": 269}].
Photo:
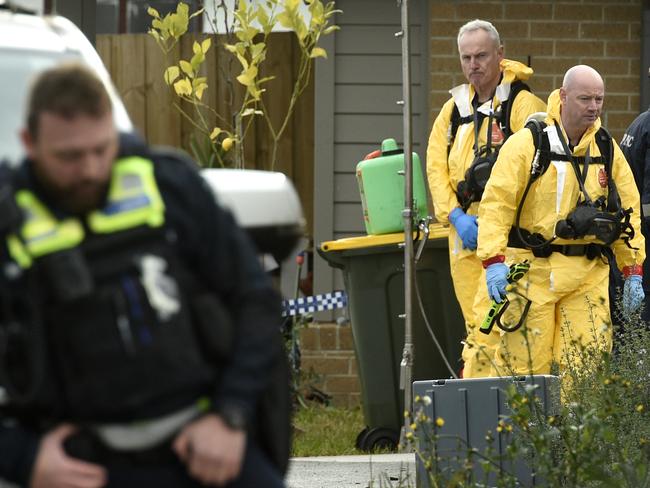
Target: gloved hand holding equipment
[
  {"x": 496, "y": 276},
  {"x": 633, "y": 294},
  {"x": 466, "y": 226},
  {"x": 514, "y": 274}
]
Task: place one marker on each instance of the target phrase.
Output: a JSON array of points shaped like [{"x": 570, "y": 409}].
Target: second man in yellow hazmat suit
[
  {"x": 565, "y": 209},
  {"x": 471, "y": 126}
]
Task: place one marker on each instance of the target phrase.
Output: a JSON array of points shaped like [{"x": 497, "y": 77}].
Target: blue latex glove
[
  {"x": 466, "y": 226},
  {"x": 633, "y": 294},
  {"x": 495, "y": 275}
]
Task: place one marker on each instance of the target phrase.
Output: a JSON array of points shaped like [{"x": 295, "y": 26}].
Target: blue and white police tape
[{"x": 316, "y": 303}]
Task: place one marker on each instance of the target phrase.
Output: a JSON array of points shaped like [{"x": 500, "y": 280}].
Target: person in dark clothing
[
  {"x": 636, "y": 148},
  {"x": 138, "y": 331}
]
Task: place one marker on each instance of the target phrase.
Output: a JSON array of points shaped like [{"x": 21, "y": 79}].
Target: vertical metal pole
[{"x": 406, "y": 365}]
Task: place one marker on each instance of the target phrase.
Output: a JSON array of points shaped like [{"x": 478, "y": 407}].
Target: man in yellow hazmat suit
[
  {"x": 561, "y": 196},
  {"x": 471, "y": 127}
]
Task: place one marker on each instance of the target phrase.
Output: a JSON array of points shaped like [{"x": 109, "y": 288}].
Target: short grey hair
[{"x": 476, "y": 24}]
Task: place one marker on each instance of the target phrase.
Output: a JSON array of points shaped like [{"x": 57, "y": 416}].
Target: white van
[{"x": 29, "y": 44}]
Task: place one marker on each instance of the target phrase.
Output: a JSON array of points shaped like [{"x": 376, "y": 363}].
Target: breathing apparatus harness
[
  {"x": 471, "y": 188},
  {"x": 603, "y": 218}
]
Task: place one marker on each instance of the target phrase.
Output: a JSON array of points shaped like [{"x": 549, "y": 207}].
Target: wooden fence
[{"x": 136, "y": 65}]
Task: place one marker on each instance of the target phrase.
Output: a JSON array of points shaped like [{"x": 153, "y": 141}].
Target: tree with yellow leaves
[{"x": 253, "y": 23}]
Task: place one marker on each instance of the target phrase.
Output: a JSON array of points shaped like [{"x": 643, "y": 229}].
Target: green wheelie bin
[{"x": 373, "y": 273}]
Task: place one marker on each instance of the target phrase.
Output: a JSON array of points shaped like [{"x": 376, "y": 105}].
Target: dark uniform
[
  {"x": 636, "y": 148},
  {"x": 150, "y": 306}
]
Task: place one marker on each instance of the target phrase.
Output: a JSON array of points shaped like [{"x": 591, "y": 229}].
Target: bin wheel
[
  {"x": 377, "y": 438},
  {"x": 361, "y": 436}
]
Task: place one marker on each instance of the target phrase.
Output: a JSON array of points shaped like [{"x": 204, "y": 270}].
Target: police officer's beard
[
  {"x": 83, "y": 197},
  {"x": 78, "y": 199}
]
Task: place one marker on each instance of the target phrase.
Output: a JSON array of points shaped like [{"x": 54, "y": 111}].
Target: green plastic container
[
  {"x": 381, "y": 185},
  {"x": 373, "y": 274}
]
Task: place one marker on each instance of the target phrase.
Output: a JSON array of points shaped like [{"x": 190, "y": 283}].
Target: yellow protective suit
[
  {"x": 569, "y": 294},
  {"x": 445, "y": 169}
]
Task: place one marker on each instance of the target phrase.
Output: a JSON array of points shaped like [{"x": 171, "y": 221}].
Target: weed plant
[{"x": 598, "y": 435}]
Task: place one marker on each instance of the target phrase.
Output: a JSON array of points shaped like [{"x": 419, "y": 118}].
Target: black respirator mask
[
  {"x": 476, "y": 177},
  {"x": 589, "y": 220}
]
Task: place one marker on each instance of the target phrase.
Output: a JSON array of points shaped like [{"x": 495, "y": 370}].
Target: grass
[{"x": 321, "y": 430}]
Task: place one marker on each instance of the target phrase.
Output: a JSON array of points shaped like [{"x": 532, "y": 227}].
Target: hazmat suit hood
[{"x": 514, "y": 70}]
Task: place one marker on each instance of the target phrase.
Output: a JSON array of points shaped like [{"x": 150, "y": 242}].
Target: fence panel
[{"x": 136, "y": 65}]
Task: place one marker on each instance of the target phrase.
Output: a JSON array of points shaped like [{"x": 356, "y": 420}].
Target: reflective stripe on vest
[
  {"x": 133, "y": 200},
  {"x": 42, "y": 233}
]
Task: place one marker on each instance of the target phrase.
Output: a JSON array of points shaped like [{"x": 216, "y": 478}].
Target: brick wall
[
  {"x": 553, "y": 35},
  {"x": 328, "y": 352}
]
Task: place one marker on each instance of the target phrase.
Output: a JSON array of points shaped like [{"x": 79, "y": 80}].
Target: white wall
[
  {"x": 210, "y": 6},
  {"x": 36, "y": 5}
]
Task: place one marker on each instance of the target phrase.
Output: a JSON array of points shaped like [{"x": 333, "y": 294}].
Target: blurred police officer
[{"x": 138, "y": 330}]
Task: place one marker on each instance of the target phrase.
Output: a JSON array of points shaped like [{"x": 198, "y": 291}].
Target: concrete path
[{"x": 364, "y": 471}]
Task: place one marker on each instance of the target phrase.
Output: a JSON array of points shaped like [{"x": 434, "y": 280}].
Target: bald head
[
  {"x": 581, "y": 98},
  {"x": 581, "y": 74}
]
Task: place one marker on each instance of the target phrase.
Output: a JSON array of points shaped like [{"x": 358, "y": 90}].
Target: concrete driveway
[{"x": 364, "y": 471}]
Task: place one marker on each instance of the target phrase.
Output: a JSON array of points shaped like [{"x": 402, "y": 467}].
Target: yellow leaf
[
  {"x": 254, "y": 92},
  {"x": 317, "y": 14},
  {"x": 257, "y": 49},
  {"x": 205, "y": 45},
  {"x": 243, "y": 61},
  {"x": 318, "y": 52},
  {"x": 196, "y": 61},
  {"x": 187, "y": 68},
  {"x": 171, "y": 74},
  {"x": 291, "y": 4},
  {"x": 153, "y": 12},
  {"x": 247, "y": 34},
  {"x": 244, "y": 79},
  {"x": 301, "y": 30},
  {"x": 183, "y": 9},
  {"x": 263, "y": 19},
  {"x": 183, "y": 87},
  {"x": 196, "y": 47},
  {"x": 215, "y": 133},
  {"x": 285, "y": 20},
  {"x": 198, "y": 91},
  {"x": 247, "y": 78},
  {"x": 154, "y": 34}
]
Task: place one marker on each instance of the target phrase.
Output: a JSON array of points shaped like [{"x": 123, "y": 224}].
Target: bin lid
[{"x": 436, "y": 231}]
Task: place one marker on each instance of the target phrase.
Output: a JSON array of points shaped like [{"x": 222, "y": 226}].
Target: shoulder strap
[
  {"x": 456, "y": 121},
  {"x": 506, "y": 106},
  {"x": 606, "y": 148}
]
